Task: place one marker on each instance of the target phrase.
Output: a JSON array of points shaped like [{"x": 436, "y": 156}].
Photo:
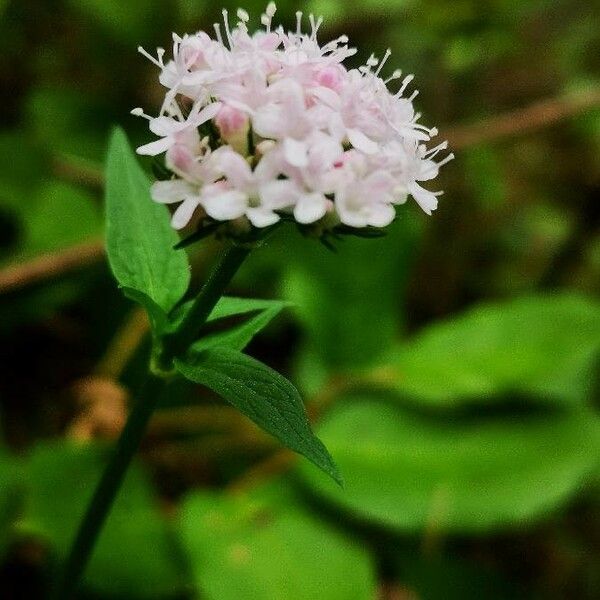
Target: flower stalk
[
  {"x": 173, "y": 345},
  {"x": 108, "y": 487},
  {"x": 176, "y": 343}
]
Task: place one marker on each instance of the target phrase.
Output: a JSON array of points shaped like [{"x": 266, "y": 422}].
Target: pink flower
[{"x": 257, "y": 125}]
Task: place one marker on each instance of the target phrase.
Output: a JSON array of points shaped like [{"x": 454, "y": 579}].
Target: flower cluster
[{"x": 272, "y": 124}]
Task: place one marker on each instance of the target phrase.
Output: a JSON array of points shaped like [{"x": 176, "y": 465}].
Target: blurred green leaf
[
  {"x": 61, "y": 215},
  {"x": 64, "y": 120},
  {"x": 140, "y": 239},
  {"x": 546, "y": 346},
  {"x": 55, "y": 215},
  {"x": 133, "y": 21},
  {"x": 414, "y": 472},
  {"x": 20, "y": 156},
  {"x": 135, "y": 556},
  {"x": 263, "y": 395},
  {"x": 249, "y": 548},
  {"x": 350, "y": 301}
]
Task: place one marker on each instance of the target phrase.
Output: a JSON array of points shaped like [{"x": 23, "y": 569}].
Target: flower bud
[
  {"x": 233, "y": 124},
  {"x": 331, "y": 76}
]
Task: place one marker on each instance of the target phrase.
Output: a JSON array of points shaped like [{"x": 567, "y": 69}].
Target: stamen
[
  {"x": 446, "y": 160},
  {"x": 299, "y": 22},
  {"x": 139, "y": 112},
  {"x": 395, "y": 75},
  {"x": 242, "y": 15},
  {"x": 217, "y": 27},
  {"x": 373, "y": 61},
  {"x": 226, "y": 23},
  {"x": 436, "y": 150},
  {"x": 387, "y": 54},
  {"x": 316, "y": 28},
  {"x": 404, "y": 85},
  {"x": 266, "y": 21},
  {"x": 176, "y": 43},
  {"x": 271, "y": 10},
  {"x": 150, "y": 57}
]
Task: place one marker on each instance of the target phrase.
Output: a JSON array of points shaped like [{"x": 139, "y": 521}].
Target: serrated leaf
[
  {"x": 134, "y": 556},
  {"x": 411, "y": 472},
  {"x": 247, "y": 547},
  {"x": 546, "y": 346},
  {"x": 140, "y": 238},
  {"x": 263, "y": 395}
]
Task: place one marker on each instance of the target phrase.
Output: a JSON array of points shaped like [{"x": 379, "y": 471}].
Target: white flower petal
[
  {"x": 181, "y": 217},
  {"x": 278, "y": 194},
  {"x": 234, "y": 167},
  {"x": 157, "y": 147},
  {"x": 295, "y": 152},
  {"x": 361, "y": 142},
  {"x": 327, "y": 96},
  {"x": 226, "y": 205},
  {"x": 426, "y": 200},
  {"x": 270, "y": 122},
  {"x": 262, "y": 217},
  {"x": 310, "y": 208},
  {"x": 381, "y": 215},
  {"x": 167, "y": 192},
  {"x": 206, "y": 114}
]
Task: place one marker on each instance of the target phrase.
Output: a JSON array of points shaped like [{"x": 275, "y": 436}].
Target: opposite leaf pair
[{"x": 140, "y": 247}]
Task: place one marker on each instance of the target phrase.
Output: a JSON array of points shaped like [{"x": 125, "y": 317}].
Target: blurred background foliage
[{"x": 451, "y": 367}]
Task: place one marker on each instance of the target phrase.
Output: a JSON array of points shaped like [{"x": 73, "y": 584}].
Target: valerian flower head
[{"x": 272, "y": 125}]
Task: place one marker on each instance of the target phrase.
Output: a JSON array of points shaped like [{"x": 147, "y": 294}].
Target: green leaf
[
  {"x": 121, "y": 20},
  {"x": 157, "y": 316},
  {"x": 135, "y": 556},
  {"x": 60, "y": 216},
  {"x": 414, "y": 472},
  {"x": 240, "y": 335},
  {"x": 242, "y": 547},
  {"x": 263, "y": 395},
  {"x": 348, "y": 300},
  {"x": 140, "y": 239},
  {"x": 545, "y": 346},
  {"x": 229, "y": 306}
]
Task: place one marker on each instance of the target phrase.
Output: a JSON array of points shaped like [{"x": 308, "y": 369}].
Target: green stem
[
  {"x": 107, "y": 489},
  {"x": 112, "y": 478},
  {"x": 189, "y": 330}
]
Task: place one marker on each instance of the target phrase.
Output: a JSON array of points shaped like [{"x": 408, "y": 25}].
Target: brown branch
[
  {"x": 49, "y": 265},
  {"x": 525, "y": 120},
  {"x": 78, "y": 171},
  {"x": 123, "y": 345}
]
